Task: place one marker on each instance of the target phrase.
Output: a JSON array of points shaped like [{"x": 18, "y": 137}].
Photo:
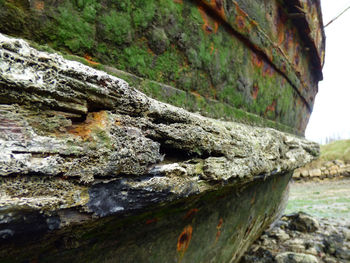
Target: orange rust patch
[
  {"x": 39, "y": 5},
  {"x": 271, "y": 107},
  {"x": 196, "y": 94},
  {"x": 149, "y": 51},
  {"x": 151, "y": 221},
  {"x": 218, "y": 6},
  {"x": 184, "y": 239},
  {"x": 204, "y": 18},
  {"x": 221, "y": 221},
  {"x": 216, "y": 26},
  {"x": 242, "y": 18},
  {"x": 280, "y": 37},
  {"x": 299, "y": 102},
  {"x": 211, "y": 48},
  {"x": 255, "y": 91},
  {"x": 239, "y": 11},
  {"x": 254, "y": 23},
  {"x": 89, "y": 60},
  {"x": 257, "y": 60},
  {"x": 240, "y": 22},
  {"x": 218, "y": 227},
  {"x": 191, "y": 213},
  {"x": 95, "y": 120},
  {"x": 280, "y": 21},
  {"x": 268, "y": 70},
  {"x": 209, "y": 26}
]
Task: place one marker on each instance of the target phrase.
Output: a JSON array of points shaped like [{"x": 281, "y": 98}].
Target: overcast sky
[{"x": 331, "y": 114}]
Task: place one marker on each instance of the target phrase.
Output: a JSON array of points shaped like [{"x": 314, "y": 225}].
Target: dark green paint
[{"x": 244, "y": 210}]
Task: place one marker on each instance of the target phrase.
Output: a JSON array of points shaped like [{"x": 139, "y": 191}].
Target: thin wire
[{"x": 330, "y": 22}]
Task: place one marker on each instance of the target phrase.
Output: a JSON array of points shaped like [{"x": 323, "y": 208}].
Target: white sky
[{"x": 331, "y": 113}]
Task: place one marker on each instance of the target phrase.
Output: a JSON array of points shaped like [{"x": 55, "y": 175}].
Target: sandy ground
[{"x": 330, "y": 198}]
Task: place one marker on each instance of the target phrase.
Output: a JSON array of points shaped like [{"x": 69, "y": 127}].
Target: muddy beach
[{"x": 315, "y": 227}]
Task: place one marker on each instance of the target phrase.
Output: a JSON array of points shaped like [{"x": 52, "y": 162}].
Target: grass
[{"x": 337, "y": 150}]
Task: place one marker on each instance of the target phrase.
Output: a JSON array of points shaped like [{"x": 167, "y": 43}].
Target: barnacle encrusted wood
[{"x": 78, "y": 145}]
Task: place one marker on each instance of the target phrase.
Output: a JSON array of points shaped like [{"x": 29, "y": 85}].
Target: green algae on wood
[{"x": 179, "y": 43}]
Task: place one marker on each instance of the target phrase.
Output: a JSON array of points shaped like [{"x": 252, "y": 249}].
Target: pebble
[
  {"x": 346, "y": 233},
  {"x": 289, "y": 257},
  {"x": 301, "y": 238}
]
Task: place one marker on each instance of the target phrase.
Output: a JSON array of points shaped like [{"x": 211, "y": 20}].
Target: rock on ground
[{"x": 300, "y": 238}]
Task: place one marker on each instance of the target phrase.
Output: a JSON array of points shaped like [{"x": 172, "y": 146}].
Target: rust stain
[
  {"x": 268, "y": 70},
  {"x": 191, "y": 213},
  {"x": 196, "y": 94},
  {"x": 257, "y": 60},
  {"x": 216, "y": 26},
  {"x": 240, "y": 22},
  {"x": 254, "y": 23},
  {"x": 39, "y": 5},
  {"x": 255, "y": 91},
  {"x": 280, "y": 21},
  {"x": 271, "y": 107},
  {"x": 221, "y": 221},
  {"x": 151, "y": 221},
  {"x": 95, "y": 120},
  {"x": 89, "y": 60},
  {"x": 211, "y": 48},
  {"x": 218, "y": 6},
  {"x": 206, "y": 26},
  {"x": 242, "y": 18},
  {"x": 209, "y": 25},
  {"x": 239, "y": 11},
  {"x": 149, "y": 51},
  {"x": 299, "y": 102},
  {"x": 218, "y": 227},
  {"x": 184, "y": 239}
]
